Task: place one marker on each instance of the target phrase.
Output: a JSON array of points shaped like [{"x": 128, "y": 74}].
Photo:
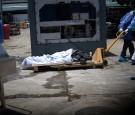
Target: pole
[
  {"x": 1, "y": 17},
  {"x": 3, "y": 105},
  {"x": 1, "y": 23}
]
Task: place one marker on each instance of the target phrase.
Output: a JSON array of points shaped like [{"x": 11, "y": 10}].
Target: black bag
[{"x": 80, "y": 56}]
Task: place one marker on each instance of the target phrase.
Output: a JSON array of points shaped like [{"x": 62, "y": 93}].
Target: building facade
[{"x": 14, "y": 11}]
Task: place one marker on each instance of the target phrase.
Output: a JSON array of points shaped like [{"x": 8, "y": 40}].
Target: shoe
[
  {"x": 122, "y": 59},
  {"x": 132, "y": 62}
]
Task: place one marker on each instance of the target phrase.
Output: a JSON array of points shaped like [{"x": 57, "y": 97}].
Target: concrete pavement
[{"x": 91, "y": 91}]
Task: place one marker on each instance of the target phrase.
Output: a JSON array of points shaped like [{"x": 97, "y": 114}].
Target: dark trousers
[{"x": 127, "y": 44}]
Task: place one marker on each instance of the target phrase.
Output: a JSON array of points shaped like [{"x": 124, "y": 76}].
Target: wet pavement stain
[
  {"x": 55, "y": 82},
  {"x": 59, "y": 82},
  {"x": 60, "y": 94}
]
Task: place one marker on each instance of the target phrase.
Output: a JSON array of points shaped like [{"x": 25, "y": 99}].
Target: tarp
[
  {"x": 3, "y": 53},
  {"x": 63, "y": 57}
]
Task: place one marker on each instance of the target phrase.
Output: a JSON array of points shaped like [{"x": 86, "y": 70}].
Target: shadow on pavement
[
  {"x": 97, "y": 110},
  {"x": 10, "y": 112}
]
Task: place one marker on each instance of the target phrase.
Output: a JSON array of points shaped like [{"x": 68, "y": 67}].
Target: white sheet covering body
[{"x": 63, "y": 57}]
